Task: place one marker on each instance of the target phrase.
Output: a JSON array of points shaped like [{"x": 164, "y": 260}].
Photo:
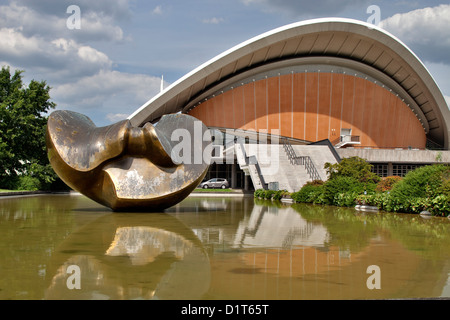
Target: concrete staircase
[
  {"x": 266, "y": 163},
  {"x": 250, "y": 166}
]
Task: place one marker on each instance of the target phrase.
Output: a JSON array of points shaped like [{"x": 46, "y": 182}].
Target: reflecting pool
[{"x": 68, "y": 247}]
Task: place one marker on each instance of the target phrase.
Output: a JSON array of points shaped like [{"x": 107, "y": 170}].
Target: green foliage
[
  {"x": 264, "y": 194},
  {"x": 440, "y": 205},
  {"x": 354, "y": 167},
  {"x": 426, "y": 188},
  {"x": 279, "y": 194},
  {"x": 445, "y": 187},
  {"x": 270, "y": 194},
  {"x": 22, "y": 132},
  {"x": 257, "y": 193},
  {"x": 28, "y": 183},
  {"x": 422, "y": 182},
  {"x": 339, "y": 185},
  {"x": 309, "y": 193},
  {"x": 345, "y": 199}
]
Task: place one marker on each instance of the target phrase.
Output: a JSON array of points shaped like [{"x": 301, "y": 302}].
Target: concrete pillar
[
  {"x": 390, "y": 169},
  {"x": 246, "y": 182},
  {"x": 233, "y": 176}
]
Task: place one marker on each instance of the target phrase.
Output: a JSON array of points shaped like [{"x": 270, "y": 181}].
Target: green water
[{"x": 68, "y": 247}]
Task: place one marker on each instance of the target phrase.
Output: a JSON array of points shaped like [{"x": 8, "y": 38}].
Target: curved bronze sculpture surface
[{"x": 129, "y": 168}]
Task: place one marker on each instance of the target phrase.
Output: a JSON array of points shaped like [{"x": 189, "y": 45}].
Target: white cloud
[
  {"x": 108, "y": 82},
  {"x": 13, "y": 43},
  {"x": 94, "y": 25},
  {"x": 112, "y": 93},
  {"x": 62, "y": 59},
  {"x": 117, "y": 9},
  {"x": 213, "y": 20},
  {"x": 306, "y": 7},
  {"x": 425, "y": 30},
  {"x": 157, "y": 10},
  {"x": 35, "y": 38},
  {"x": 91, "y": 55},
  {"x": 115, "y": 117}
]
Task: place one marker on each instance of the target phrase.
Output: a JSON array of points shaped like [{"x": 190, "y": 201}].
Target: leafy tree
[
  {"x": 353, "y": 167},
  {"x": 22, "y": 131}
]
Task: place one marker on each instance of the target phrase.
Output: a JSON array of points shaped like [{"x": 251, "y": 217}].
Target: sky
[{"x": 106, "y": 58}]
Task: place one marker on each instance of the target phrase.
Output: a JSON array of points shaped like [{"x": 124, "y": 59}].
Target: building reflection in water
[
  {"x": 288, "y": 252},
  {"x": 280, "y": 228},
  {"x": 240, "y": 249}
]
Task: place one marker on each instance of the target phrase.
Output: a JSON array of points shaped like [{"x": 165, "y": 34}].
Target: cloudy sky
[{"x": 107, "y": 58}]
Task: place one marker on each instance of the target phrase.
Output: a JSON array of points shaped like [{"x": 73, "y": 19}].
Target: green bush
[
  {"x": 265, "y": 194},
  {"x": 365, "y": 199},
  {"x": 426, "y": 188},
  {"x": 345, "y": 199},
  {"x": 422, "y": 182},
  {"x": 310, "y": 193},
  {"x": 440, "y": 205},
  {"x": 28, "y": 183},
  {"x": 445, "y": 186},
  {"x": 353, "y": 167},
  {"x": 279, "y": 194},
  {"x": 341, "y": 184},
  {"x": 258, "y": 193}
]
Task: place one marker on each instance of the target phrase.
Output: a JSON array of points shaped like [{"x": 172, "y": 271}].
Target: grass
[
  {"x": 6, "y": 190},
  {"x": 213, "y": 190}
]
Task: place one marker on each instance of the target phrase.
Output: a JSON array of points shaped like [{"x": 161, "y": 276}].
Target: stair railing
[
  {"x": 301, "y": 160},
  {"x": 252, "y": 160}
]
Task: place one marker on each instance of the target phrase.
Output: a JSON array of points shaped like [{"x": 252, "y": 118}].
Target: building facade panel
[
  {"x": 238, "y": 107},
  {"x": 313, "y": 106},
  {"x": 312, "y": 91},
  {"x": 348, "y": 103},
  {"x": 286, "y": 105},
  {"x": 335, "y": 105},
  {"x": 273, "y": 103},
  {"x": 249, "y": 107},
  {"x": 324, "y": 106},
  {"x": 299, "y": 97},
  {"x": 358, "y": 108},
  {"x": 261, "y": 105},
  {"x": 228, "y": 112}
]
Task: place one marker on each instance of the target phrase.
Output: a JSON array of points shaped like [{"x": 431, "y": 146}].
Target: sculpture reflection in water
[
  {"x": 134, "y": 257},
  {"x": 130, "y": 168}
]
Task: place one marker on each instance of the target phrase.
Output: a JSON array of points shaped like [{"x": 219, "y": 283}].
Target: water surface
[{"x": 214, "y": 248}]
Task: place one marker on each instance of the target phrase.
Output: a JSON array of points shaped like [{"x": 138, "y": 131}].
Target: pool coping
[{"x": 234, "y": 193}]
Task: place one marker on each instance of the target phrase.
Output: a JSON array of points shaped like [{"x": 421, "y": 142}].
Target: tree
[
  {"x": 22, "y": 130},
  {"x": 354, "y": 167}
]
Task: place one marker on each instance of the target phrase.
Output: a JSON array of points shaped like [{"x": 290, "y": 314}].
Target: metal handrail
[
  {"x": 301, "y": 160},
  {"x": 310, "y": 167},
  {"x": 292, "y": 156},
  {"x": 252, "y": 160}
]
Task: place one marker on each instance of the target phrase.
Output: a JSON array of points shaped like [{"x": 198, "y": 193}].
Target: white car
[{"x": 215, "y": 183}]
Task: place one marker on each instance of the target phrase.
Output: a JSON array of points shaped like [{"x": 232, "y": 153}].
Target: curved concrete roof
[{"x": 329, "y": 40}]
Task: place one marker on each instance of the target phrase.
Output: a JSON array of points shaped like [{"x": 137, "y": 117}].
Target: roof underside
[{"x": 328, "y": 38}]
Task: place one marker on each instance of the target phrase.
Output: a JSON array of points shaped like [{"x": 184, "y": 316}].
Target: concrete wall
[{"x": 397, "y": 156}]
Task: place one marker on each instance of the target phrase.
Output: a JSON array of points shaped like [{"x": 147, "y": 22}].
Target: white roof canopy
[{"x": 345, "y": 41}]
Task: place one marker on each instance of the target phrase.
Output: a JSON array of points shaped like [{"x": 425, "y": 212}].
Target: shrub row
[
  {"x": 270, "y": 194},
  {"x": 426, "y": 188}
]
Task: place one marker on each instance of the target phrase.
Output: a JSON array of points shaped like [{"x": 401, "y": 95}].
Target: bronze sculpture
[{"x": 129, "y": 168}]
